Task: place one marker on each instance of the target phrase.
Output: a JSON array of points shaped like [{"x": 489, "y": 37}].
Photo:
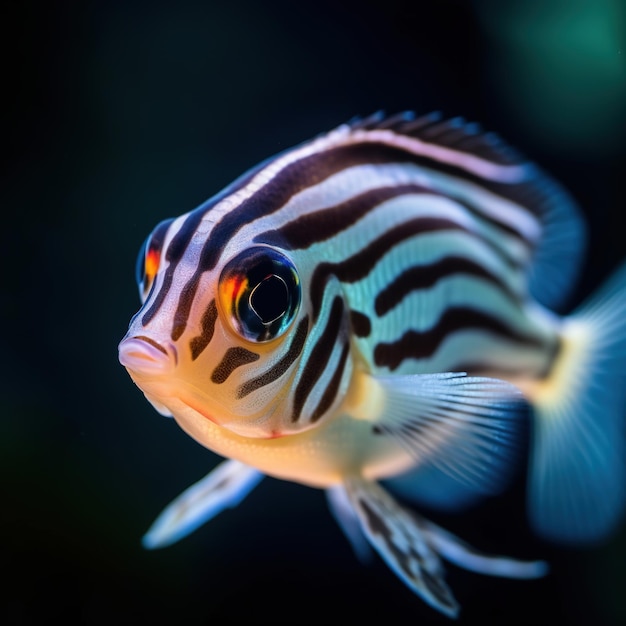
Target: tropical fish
[{"x": 372, "y": 313}]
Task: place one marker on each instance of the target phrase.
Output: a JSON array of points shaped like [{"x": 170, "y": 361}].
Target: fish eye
[
  {"x": 259, "y": 291},
  {"x": 149, "y": 258},
  {"x": 146, "y": 267},
  {"x": 140, "y": 268}
]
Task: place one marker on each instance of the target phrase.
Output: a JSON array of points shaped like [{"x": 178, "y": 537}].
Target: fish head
[{"x": 228, "y": 335}]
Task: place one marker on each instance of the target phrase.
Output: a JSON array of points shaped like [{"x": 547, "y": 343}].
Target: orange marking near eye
[
  {"x": 152, "y": 263},
  {"x": 232, "y": 289}
]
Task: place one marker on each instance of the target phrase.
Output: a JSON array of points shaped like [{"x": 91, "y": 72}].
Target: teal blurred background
[{"x": 119, "y": 114}]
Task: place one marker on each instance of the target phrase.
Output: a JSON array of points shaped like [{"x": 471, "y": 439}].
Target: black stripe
[
  {"x": 181, "y": 240},
  {"x": 304, "y": 173},
  {"x": 152, "y": 342},
  {"x": 233, "y": 358},
  {"x": 319, "y": 357},
  {"x": 326, "y": 223},
  {"x": 207, "y": 324},
  {"x": 419, "y": 345},
  {"x": 155, "y": 243},
  {"x": 425, "y": 276},
  {"x": 360, "y": 323},
  {"x": 158, "y": 235},
  {"x": 360, "y": 264},
  {"x": 292, "y": 179},
  {"x": 481, "y": 367},
  {"x": 406, "y": 557},
  {"x": 321, "y": 225},
  {"x": 278, "y": 369},
  {"x": 330, "y": 393},
  {"x": 530, "y": 193},
  {"x": 173, "y": 254}
]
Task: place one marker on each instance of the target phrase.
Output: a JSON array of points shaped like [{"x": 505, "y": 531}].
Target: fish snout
[{"x": 144, "y": 355}]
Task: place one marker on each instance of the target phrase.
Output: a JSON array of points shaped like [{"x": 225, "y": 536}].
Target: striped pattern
[{"x": 413, "y": 238}]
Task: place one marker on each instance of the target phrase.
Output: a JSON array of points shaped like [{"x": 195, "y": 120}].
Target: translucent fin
[
  {"x": 428, "y": 486},
  {"x": 348, "y": 522},
  {"x": 224, "y": 487},
  {"x": 399, "y": 539},
  {"x": 467, "y": 428},
  {"x": 577, "y": 479},
  {"x": 460, "y": 553},
  {"x": 563, "y": 236},
  {"x": 455, "y": 134},
  {"x": 411, "y": 546}
]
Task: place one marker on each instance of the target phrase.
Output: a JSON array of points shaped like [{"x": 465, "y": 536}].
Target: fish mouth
[
  {"x": 145, "y": 356},
  {"x": 151, "y": 365}
]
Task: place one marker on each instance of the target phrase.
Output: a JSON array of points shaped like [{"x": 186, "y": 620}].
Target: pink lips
[{"x": 144, "y": 355}]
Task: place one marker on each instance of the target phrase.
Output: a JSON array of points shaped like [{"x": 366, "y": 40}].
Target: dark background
[{"x": 119, "y": 114}]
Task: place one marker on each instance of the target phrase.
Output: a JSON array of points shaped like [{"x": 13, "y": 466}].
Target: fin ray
[
  {"x": 577, "y": 490},
  {"x": 225, "y": 486},
  {"x": 462, "y": 554},
  {"x": 411, "y": 546},
  {"x": 399, "y": 540},
  {"x": 476, "y": 420},
  {"x": 348, "y": 521}
]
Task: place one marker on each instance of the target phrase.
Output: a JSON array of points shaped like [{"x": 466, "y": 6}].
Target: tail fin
[{"x": 577, "y": 484}]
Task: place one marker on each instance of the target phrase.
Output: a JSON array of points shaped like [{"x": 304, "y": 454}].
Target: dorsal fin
[
  {"x": 558, "y": 251},
  {"x": 455, "y": 133}
]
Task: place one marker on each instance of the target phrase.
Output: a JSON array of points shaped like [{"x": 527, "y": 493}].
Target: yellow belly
[{"x": 319, "y": 457}]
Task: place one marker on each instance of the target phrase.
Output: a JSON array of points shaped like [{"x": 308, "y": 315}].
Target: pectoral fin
[
  {"x": 466, "y": 428},
  {"x": 223, "y": 487}
]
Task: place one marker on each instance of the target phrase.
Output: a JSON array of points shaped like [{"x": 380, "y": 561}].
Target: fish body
[{"x": 376, "y": 306}]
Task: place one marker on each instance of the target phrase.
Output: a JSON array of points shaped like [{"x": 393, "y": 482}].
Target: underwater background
[{"x": 119, "y": 114}]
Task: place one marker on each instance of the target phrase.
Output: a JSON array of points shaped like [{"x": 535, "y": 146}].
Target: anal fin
[
  {"x": 399, "y": 539},
  {"x": 411, "y": 546}
]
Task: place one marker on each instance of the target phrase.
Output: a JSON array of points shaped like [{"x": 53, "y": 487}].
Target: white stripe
[
  {"x": 322, "y": 383},
  {"x": 422, "y": 310},
  {"x": 432, "y": 247},
  {"x": 361, "y": 178},
  {"x": 172, "y": 231},
  {"x": 489, "y": 170},
  {"x": 267, "y": 174}
]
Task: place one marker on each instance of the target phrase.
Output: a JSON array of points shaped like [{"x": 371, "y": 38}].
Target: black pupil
[{"x": 270, "y": 299}]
